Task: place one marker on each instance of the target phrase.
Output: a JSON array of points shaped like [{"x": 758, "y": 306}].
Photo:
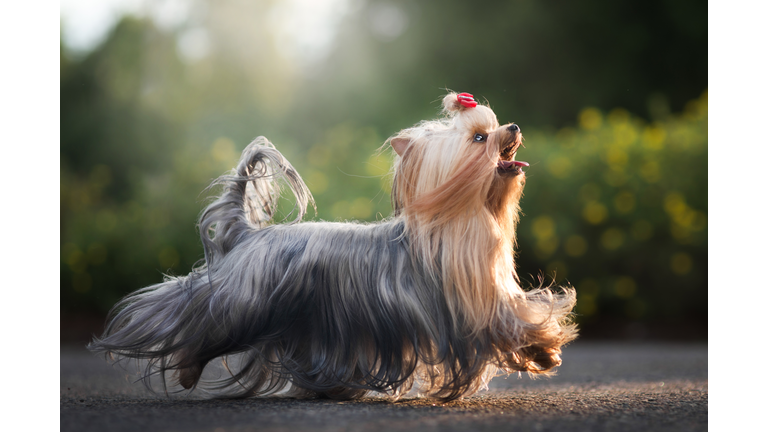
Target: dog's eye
[{"x": 480, "y": 137}]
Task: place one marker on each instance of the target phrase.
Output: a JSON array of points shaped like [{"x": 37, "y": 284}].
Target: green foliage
[
  {"x": 618, "y": 207},
  {"x": 614, "y": 204}
]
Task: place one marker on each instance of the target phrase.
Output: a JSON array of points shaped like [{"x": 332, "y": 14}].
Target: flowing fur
[{"x": 427, "y": 297}]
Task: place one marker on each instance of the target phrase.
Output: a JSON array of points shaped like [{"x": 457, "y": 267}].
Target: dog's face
[{"x": 456, "y": 164}]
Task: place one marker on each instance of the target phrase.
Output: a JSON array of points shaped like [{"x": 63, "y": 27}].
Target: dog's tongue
[{"x": 507, "y": 165}]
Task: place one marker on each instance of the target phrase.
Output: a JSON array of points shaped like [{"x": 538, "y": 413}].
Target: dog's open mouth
[
  {"x": 509, "y": 166},
  {"x": 506, "y": 163}
]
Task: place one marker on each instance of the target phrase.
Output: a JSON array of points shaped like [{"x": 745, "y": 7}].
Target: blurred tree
[
  {"x": 616, "y": 203},
  {"x": 538, "y": 63}
]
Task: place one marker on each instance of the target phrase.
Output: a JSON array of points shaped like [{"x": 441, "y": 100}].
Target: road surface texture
[{"x": 602, "y": 386}]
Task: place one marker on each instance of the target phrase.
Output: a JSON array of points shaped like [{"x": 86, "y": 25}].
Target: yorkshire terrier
[{"x": 428, "y": 296}]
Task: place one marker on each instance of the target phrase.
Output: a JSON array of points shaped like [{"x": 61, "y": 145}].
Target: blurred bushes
[
  {"x": 615, "y": 203},
  {"x": 618, "y": 208},
  {"x": 137, "y": 154}
]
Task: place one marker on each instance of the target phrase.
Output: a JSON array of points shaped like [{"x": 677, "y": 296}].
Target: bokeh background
[{"x": 159, "y": 98}]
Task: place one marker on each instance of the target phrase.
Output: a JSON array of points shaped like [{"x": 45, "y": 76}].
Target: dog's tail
[
  {"x": 180, "y": 324},
  {"x": 241, "y": 208}
]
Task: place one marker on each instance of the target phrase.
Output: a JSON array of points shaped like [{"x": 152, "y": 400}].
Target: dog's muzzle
[{"x": 507, "y": 164}]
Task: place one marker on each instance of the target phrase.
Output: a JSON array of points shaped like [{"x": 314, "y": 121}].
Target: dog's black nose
[{"x": 514, "y": 128}]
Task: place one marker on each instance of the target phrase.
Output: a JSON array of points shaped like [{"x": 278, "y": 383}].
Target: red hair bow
[{"x": 467, "y": 100}]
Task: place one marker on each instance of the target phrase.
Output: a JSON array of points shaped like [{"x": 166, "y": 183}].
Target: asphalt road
[{"x": 600, "y": 387}]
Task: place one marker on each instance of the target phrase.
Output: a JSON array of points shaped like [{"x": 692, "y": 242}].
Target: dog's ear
[{"x": 400, "y": 144}]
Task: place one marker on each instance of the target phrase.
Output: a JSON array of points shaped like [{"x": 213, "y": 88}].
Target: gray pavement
[{"x": 600, "y": 387}]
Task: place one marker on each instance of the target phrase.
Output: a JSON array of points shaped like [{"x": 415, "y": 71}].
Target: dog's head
[{"x": 458, "y": 165}]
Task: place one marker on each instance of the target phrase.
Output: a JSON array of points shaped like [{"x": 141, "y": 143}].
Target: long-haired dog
[{"x": 428, "y": 296}]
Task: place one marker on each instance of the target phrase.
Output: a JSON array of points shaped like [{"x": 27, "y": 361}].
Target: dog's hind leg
[{"x": 188, "y": 377}]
